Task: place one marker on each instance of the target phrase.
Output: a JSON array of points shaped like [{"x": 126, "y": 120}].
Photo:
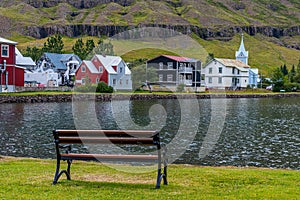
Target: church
[{"x": 231, "y": 74}]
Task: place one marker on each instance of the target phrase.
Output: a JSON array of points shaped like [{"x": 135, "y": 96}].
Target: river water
[{"x": 257, "y": 132}]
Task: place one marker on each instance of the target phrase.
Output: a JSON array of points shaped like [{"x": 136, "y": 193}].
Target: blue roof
[{"x": 58, "y": 60}]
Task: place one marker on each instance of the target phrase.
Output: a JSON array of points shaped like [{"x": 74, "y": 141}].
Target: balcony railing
[
  {"x": 187, "y": 82},
  {"x": 186, "y": 70}
]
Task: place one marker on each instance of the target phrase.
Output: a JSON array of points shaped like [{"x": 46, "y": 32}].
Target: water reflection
[{"x": 256, "y": 132}]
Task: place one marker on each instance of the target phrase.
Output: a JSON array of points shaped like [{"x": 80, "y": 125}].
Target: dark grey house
[{"x": 175, "y": 70}]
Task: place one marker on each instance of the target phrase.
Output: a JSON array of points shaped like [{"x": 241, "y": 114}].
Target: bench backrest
[{"x": 138, "y": 137}]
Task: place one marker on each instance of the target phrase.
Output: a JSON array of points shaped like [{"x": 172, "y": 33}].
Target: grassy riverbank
[{"x": 22, "y": 178}]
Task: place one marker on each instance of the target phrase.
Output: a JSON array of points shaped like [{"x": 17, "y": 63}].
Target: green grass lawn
[{"x": 23, "y": 178}]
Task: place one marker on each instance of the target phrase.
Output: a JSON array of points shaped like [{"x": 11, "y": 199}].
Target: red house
[
  {"x": 11, "y": 76},
  {"x": 111, "y": 70}
]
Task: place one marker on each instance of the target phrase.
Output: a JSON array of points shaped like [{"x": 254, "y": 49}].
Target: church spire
[{"x": 242, "y": 54}]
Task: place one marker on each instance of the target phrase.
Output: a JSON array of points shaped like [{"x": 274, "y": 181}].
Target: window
[
  {"x": 120, "y": 81},
  {"x": 238, "y": 71},
  {"x": 114, "y": 81},
  {"x": 127, "y": 82},
  {"x": 83, "y": 81},
  {"x": 4, "y": 50},
  {"x": 161, "y": 66},
  {"x": 210, "y": 70},
  {"x": 220, "y": 70},
  {"x": 210, "y": 80},
  {"x": 121, "y": 70},
  {"x": 170, "y": 77},
  {"x": 233, "y": 70},
  {"x": 97, "y": 80},
  {"x": 170, "y": 65},
  {"x": 83, "y": 68},
  {"x": 220, "y": 80},
  {"x": 160, "y": 78},
  {"x": 101, "y": 69}
]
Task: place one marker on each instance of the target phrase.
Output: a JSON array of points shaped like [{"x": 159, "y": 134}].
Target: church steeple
[{"x": 242, "y": 54}]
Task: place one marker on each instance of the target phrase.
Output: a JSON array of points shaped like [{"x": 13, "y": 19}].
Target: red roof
[{"x": 178, "y": 58}]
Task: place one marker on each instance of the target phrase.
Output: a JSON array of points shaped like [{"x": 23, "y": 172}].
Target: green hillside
[
  {"x": 216, "y": 25},
  {"x": 263, "y": 54},
  {"x": 204, "y": 13}
]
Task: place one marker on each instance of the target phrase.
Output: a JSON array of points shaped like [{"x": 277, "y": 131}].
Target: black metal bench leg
[
  {"x": 69, "y": 169},
  {"x": 159, "y": 177},
  {"x": 56, "y": 175},
  {"x": 59, "y": 173},
  {"x": 165, "y": 176}
]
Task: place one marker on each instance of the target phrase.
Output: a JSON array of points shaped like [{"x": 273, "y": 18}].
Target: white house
[
  {"x": 47, "y": 78},
  {"x": 230, "y": 73},
  {"x": 226, "y": 73},
  {"x": 64, "y": 65}
]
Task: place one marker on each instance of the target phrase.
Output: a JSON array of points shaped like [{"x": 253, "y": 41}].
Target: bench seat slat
[
  {"x": 109, "y": 157},
  {"x": 105, "y": 140},
  {"x": 108, "y": 133}
]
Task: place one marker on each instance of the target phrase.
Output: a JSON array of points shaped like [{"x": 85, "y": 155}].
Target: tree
[
  {"x": 140, "y": 76},
  {"x": 209, "y": 57},
  {"x": 83, "y": 50},
  {"x": 284, "y": 70},
  {"x": 278, "y": 79},
  {"x": 103, "y": 48},
  {"x": 54, "y": 44},
  {"x": 292, "y": 74},
  {"x": 297, "y": 76},
  {"x": 90, "y": 45},
  {"x": 34, "y": 52},
  {"x": 79, "y": 49}
]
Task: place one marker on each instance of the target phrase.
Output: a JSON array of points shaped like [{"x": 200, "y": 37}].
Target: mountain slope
[{"x": 275, "y": 24}]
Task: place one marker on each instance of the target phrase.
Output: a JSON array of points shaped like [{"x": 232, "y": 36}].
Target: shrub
[
  {"x": 86, "y": 88},
  {"x": 180, "y": 88},
  {"x": 291, "y": 87},
  {"x": 104, "y": 88}
]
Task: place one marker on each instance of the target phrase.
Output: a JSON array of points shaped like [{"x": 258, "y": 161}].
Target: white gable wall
[
  {"x": 122, "y": 79},
  {"x": 224, "y": 78}
]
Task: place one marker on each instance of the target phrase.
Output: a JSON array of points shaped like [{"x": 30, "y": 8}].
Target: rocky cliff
[{"x": 225, "y": 33}]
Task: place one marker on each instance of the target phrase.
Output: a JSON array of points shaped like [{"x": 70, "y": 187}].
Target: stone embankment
[{"x": 110, "y": 97}]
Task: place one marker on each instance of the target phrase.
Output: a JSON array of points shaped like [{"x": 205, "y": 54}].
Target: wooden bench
[{"x": 64, "y": 139}]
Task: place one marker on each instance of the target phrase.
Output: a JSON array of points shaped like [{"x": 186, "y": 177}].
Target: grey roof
[
  {"x": 91, "y": 66},
  {"x": 110, "y": 61},
  {"x": 58, "y": 59}
]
